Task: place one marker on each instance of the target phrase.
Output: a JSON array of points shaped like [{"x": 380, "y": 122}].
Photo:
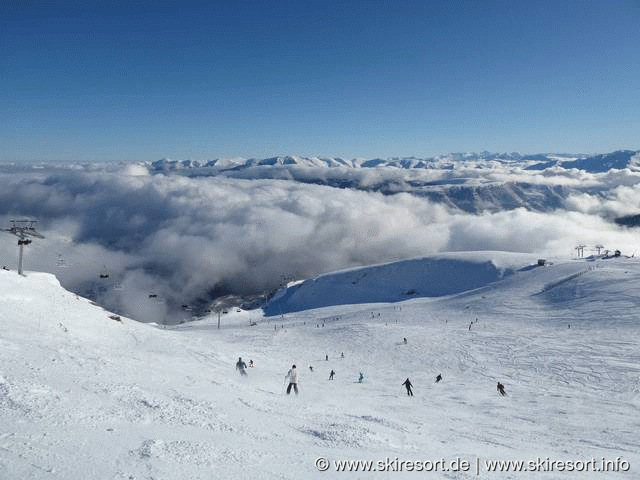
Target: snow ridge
[
  {"x": 394, "y": 282},
  {"x": 589, "y": 163}
]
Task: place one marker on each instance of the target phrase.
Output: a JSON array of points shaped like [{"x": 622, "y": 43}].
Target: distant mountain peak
[{"x": 596, "y": 163}]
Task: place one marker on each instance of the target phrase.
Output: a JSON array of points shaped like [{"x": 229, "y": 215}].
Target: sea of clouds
[{"x": 168, "y": 240}]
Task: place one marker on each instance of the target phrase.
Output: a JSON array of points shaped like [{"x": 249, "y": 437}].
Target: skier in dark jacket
[
  {"x": 439, "y": 377},
  {"x": 331, "y": 374},
  {"x": 500, "y": 389},
  {"x": 407, "y": 383},
  {"x": 240, "y": 365}
]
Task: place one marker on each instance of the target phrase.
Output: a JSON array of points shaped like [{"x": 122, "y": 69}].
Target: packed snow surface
[
  {"x": 393, "y": 282},
  {"x": 88, "y": 395}
]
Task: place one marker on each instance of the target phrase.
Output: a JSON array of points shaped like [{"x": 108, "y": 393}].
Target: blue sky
[{"x": 140, "y": 80}]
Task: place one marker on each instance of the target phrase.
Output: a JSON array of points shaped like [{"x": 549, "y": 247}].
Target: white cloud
[
  {"x": 182, "y": 238},
  {"x": 555, "y": 233}
]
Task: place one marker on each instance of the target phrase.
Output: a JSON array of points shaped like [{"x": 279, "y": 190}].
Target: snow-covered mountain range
[
  {"x": 590, "y": 163},
  {"x": 472, "y": 182},
  {"x": 85, "y": 393}
]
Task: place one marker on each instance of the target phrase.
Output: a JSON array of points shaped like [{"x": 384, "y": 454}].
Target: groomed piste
[{"x": 86, "y": 394}]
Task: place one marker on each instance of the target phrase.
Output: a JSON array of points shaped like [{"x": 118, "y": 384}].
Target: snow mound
[
  {"x": 44, "y": 305},
  {"x": 394, "y": 282}
]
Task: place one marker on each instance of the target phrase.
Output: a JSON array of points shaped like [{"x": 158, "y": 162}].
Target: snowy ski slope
[{"x": 85, "y": 396}]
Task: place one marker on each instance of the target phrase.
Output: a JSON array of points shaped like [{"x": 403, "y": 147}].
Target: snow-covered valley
[{"x": 84, "y": 395}]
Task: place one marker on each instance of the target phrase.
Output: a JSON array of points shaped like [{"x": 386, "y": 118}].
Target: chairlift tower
[{"x": 23, "y": 229}]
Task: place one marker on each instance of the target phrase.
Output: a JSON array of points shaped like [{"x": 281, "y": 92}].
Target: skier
[
  {"x": 331, "y": 374},
  {"x": 250, "y": 363},
  {"x": 361, "y": 377},
  {"x": 500, "y": 389},
  {"x": 240, "y": 365},
  {"x": 405, "y": 340},
  {"x": 342, "y": 355},
  {"x": 326, "y": 358},
  {"x": 439, "y": 377},
  {"x": 407, "y": 383},
  {"x": 311, "y": 367},
  {"x": 292, "y": 375}
]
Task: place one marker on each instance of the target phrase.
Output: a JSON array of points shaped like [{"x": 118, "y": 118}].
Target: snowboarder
[
  {"x": 407, "y": 383},
  {"x": 361, "y": 377},
  {"x": 240, "y": 365},
  {"x": 500, "y": 389},
  {"x": 439, "y": 377},
  {"x": 292, "y": 375},
  {"x": 331, "y": 374}
]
